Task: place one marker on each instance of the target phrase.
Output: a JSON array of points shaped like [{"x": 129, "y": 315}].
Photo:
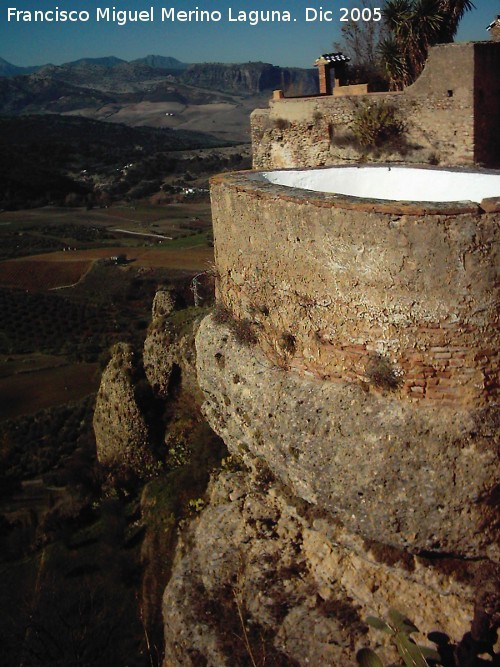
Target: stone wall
[
  {"x": 356, "y": 283},
  {"x": 449, "y": 114},
  {"x": 487, "y": 103}
]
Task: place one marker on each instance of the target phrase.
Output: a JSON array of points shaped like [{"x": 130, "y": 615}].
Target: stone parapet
[{"x": 355, "y": 290}]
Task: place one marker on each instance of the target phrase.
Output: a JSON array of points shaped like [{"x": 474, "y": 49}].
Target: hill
[
  {"x": 41, "y": 92},
  {"x": 44, "y": 159},
  {"x": 7, "y": 69},
  {"x": 250, "y": 78},
  {"x": 117, "y": 75},
  {"x": 161, "y": 62},
  {"x": 106, "y": 61},
  {"x": 155, "y": 91}
]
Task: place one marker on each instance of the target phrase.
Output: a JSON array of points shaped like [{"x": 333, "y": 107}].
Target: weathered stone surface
[
  {"x": 120, "y": 430},
  {"x": 414, "y": 477},
  {"x": 303, "y": 585},
  {"x": 157, "y": 356},
  {"x": 491, "y": 205},
  {"x": 163, "y": 304},
  {"x": 169, "y": 345}
]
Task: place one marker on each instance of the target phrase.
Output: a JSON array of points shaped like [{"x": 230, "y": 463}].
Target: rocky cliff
[
  {"x": 350, "y": 367},
  {"x": 251, "y": 78},
  {"x": 339, "y": 500},
  {"x": 267, "y": 571},
  {"x": 271, "y": 573},
  {"x": 153, "y": 441}
]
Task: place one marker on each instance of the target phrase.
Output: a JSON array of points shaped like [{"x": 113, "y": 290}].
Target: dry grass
[{"x": 243, "y": 330}]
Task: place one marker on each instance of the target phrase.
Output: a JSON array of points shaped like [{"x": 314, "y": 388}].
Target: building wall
[
  {"x": 449, "y": 114},
  {"x": 487, "y": 103}
]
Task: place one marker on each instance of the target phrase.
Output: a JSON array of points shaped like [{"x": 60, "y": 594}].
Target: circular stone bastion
[{"x": 371, "y": 388}]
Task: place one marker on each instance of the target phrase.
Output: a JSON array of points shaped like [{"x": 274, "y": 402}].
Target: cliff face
[
  {"x": 148, "y": 426},
  {"x": 261, "y": 573},
  {"x": 289, "y": 557},
  {"x": 361, "y": 457},
  {"x": 251, "y": 78}
]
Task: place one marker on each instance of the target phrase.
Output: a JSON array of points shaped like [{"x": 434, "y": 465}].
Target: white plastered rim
[{"x": 393, "y": 183}]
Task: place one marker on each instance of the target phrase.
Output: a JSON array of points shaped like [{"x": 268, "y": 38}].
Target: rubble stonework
[{"x": 348, "y": 289}]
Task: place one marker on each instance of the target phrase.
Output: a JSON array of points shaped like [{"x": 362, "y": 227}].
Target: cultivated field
[
  {"x": 196, "y": 258},
  {"x": 25, "y": 393},
  {"x": 34, "y": 274}
]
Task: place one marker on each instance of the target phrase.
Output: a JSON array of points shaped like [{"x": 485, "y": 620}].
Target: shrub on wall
[
  {"x": 376, "y": 123},
  {"x": 281, "y": 124}
]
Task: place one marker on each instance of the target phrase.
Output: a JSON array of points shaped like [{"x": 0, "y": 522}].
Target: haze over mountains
[{"x": 157, "y": 91}]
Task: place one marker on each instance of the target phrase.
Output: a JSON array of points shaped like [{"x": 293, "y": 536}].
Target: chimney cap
[
  {"x": 494, "y": 23},
  {"x": 332, "y": 58}
]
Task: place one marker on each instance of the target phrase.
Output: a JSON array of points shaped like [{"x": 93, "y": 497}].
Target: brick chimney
[{"x": 325, "y": 64}]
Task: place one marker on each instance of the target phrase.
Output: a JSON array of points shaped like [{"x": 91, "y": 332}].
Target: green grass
[{"x": 192, "y": 241}]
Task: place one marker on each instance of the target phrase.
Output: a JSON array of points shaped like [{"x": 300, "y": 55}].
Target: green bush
[{"x": 377, "y": 123}]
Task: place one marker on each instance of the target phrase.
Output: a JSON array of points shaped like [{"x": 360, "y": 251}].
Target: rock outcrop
[
  {"x": 158, "y": 361},
  {"x": 361, "y": 457},
  {"x": 261, "y": 573},
  {"x": 120, "y": 429}
]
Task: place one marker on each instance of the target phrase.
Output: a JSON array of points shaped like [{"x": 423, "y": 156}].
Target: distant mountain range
[
  {"x": 117, "y": 75},
  {"x": 157, "y": 91},
  {"x": 7, "y": 69},
  {"x": 156, "y": 62}
]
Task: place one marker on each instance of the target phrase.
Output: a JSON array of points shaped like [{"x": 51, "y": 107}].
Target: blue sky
[{"x": 293, "y": 44}]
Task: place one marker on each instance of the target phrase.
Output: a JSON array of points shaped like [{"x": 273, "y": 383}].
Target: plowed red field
[{"x": 57, "y": 269}]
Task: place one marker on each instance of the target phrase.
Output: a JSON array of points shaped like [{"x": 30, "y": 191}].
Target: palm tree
[
  {"x": 453, "y": 10},
  {"x": 413, "y": 26}
]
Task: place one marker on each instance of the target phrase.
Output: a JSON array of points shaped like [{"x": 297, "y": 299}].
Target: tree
[
  {"x": 360, "y": 41},
  {"x": 453, "y": 11},
  {"x": 413, "y": 26}
]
